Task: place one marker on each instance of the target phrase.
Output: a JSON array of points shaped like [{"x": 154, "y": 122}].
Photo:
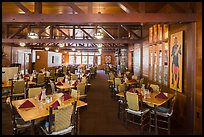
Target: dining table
[
  {"x": 151, "y": 99},
  {"x": 41, "y": 109}
]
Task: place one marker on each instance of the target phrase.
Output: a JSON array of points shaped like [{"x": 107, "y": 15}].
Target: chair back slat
[
  {"x": 132, "y": 101},
  {"x": 63, "y": 117},
  {"x": 33, "y": 92},
  {"x": 18, "y": 86},
  {"x": 81, "y": 88}
]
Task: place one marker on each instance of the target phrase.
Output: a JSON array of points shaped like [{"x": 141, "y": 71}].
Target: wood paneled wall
[
  {"x": 137, "y": 59},
  {"x": 145, "y": 59},
  {"x": 42, "y": 62},
  {"x": 6, "y": 60},
  {"x": 198, "y": 75},
  {"x": 130, "y": 62}
]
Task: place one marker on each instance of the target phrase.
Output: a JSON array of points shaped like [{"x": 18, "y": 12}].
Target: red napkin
[
  {"x": 84, "y": 75},
  {"x": 27, "y": 104},
  {"x": 55, "y": 104},
  {"x": 59, "y": 83},
  {"x": 161, "y": 95},
  {"x": 132, "y": 90},
  {"x": 66, "y": 96},
  {"x": 133, "y": 80}
]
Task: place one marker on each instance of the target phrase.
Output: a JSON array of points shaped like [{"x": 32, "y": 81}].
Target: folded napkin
[
  {"x": 84, "y": 75},
  {"x": 133, "y": 80},
  {"x": 55, "y": 104},
  {"x": 132, "y": 90},
  {"x": 66, "y": 96},
  {"x": 27, "y": 104},
  {"x": 59, "y": 83},
  {"x": 26, "y": 75},
  {"x": 161, "y": 95}
]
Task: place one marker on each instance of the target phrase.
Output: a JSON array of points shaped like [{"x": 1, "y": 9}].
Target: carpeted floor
[{"x": 100, "y": 117}]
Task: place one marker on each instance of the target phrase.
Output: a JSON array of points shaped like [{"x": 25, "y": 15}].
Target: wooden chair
[
  {"x": 75, "y": 94},
  {"x": 74, "y": 77},
  {"x": 111, "y": 80},
  {"x": 60, "y": 79},
  {"x": 155, "y": 87},
  {"x": 117, "y": 82},
  {"x": 52, "y": 75},
  {"x": 18, "y": 124},
  {"x": 81, "y": 88},
  {"x": 135, "y": 109},
  {"x": 121, "y": 103},
  {"x": 53, "y": 87},
  {"x": 163, "y": 116},
  {"x": 40, "y": 80},
  {"x": 33, "y": 92},
  {"x": 62, "y": 122},
  {"x": 18, "y": 89}
]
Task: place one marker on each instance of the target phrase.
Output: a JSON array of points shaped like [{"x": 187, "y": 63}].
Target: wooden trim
[{"x": 100, "y": 18}]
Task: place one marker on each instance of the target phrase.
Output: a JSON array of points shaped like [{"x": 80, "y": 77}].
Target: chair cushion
[
  {"x": 163, "y": 112},
  {"x": 144, "y": 111},
  {"x": 20, "y": 123},
  {"x": 61, "y": 132}
]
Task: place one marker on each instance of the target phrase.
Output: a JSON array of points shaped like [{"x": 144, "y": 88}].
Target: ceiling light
[
  {"x": 61, "y": 45},
  {"x": 33, "y": 35},
  {"x": 47, "y": 48},
  {"x": 99, "y": 34},
  {"x": 21, "y": 12},
  {"x": 73, "y": 49},
  {"x": 78, "y": 51},
  {"x": 22, "y": 44},
  {"x": 99, "y": 45},
  {"x": 57, "y": 50},
  {"x": 99, "y": 50},
  {"x": 65, "y": 51}
]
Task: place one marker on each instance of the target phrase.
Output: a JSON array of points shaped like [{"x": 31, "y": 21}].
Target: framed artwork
[
  {"x": 176, "y": 61},
  {"x": 108, "y": 59}
]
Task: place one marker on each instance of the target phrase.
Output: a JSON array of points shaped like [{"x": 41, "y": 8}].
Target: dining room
[{"x": 102, "y": 68}]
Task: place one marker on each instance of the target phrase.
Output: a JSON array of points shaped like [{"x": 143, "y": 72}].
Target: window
[
  {"x": 84, "y": 60},
  {"x": 159, "y": 54},
  {"x": 91, "y": 59},
  {"x": 71, "y": 59},
  {"x": 99, "y": 60},
  {"x": 78, "y": 59}
]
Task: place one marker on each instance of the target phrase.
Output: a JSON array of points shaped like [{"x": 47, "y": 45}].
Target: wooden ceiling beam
[
  {"x": 23, "y": 8},
  {"x": 128, "y": 30},
  {"x": 66, "y": 36},
  {"x": 38, "y": 7},
  {"x": 18, "y": 31},
  {"x": 95, "y": 41},
  {"x": 141, "y": 7},
  {"x": 107, "y": 32},
  {"x": 75, "y": 8},
  {"x": 100, "y": 18},
  {"x": 126, "y": 7},
  {"x": 90, "y": 8}
]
